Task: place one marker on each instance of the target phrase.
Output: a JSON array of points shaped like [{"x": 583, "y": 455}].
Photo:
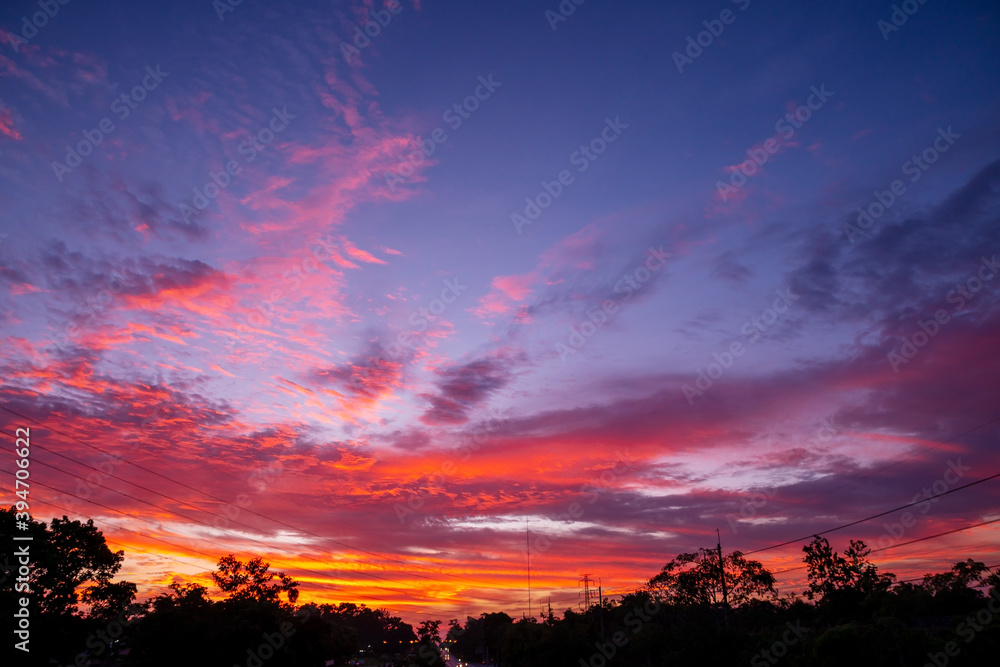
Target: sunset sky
[{"x": 367, "y": 305}]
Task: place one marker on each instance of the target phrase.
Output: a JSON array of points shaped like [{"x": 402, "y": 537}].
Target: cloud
[
  {"x": 55, "y": 93},
  {"x": 729, "y": 267},
  {"x": 153, "y": 284},
  {"x": 364, "y": 383},
  {"x": 461, "y": 388},
  {"x": 506, "y": 293},
  {"x": 410, "y": 440},
  {"x": 904, "y": 265},
  {"x": 7, "y": 128}
]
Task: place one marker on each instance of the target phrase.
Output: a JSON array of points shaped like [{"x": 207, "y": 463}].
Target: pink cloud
[
  {"x": 506, "y": 292},
  {"x": 515, "y": 287},
  {"x": 192, "y": 110},
  {"x": 361, "y": 255},
  {"x": 9, "y": 68},
  {"x": 7, "y": 126}
]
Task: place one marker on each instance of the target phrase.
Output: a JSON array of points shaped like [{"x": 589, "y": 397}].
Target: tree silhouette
[
  {"x": 964, "y": 575},
  {"x": 110, "y": 600},
  {"x": 856, "y": 611},
  {"x": 428, "y": 652},
  {"x": 252, "y": 580},
  {"x": 70, "y": 563},
  {"x": 694, "y": 578},
  {"x": 70, "y": 566},
  {"x": 831, "y": 574}
]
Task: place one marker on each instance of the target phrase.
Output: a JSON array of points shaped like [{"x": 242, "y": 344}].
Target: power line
[
  {"x": 874, "y": 516},
  {"x": 226, "y": 548},
  {"x": 903, "y": 544},
  {"x": 132, "y": 547},
  {"x": 175, "y": 513},
  {"x": 192, "y": 519},
  {"x": 409, "y": 564},
  {"x": 183, "y": 548},
  {"x": 894, "y": 463},
  {"x": 906, "y": 581},
  {"x": 205, "y": 493},
  {"x": 222, "y": 500},
  {"x": 931, "y": 537}
]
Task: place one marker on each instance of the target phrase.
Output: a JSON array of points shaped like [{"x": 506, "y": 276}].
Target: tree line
[{"x": 705, "y": 608}]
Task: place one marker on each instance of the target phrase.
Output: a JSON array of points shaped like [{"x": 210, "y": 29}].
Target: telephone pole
[
  {"x": 722, "y": 571},
  {"x": 600, "y": 608},
  {"x": 527, "y": 541},
  {"x": 722, "y": 577}
]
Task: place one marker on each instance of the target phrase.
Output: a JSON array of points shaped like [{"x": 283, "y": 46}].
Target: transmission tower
[{"x": 586, "y": 581}]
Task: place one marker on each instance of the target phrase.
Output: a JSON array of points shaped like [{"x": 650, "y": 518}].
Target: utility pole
[
  {"x": 600, "y": 608},
  {"x": 722, "y": 576},
  {"x": 722, "y": 571},
  {"x": 527, "y": 542}
]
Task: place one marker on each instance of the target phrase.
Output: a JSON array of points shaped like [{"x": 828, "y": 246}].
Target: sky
[{"x": 389, "y": 293}]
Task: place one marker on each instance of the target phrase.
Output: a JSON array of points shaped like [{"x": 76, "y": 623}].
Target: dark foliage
[{"x": 851, "y": 614}]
